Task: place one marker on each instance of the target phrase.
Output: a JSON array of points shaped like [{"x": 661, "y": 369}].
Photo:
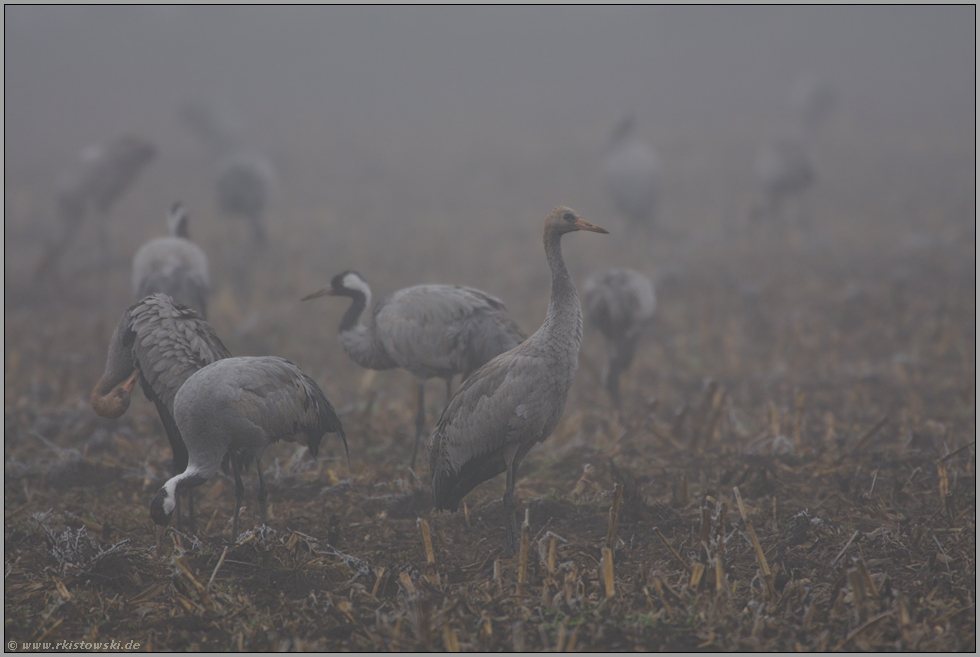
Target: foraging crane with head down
[
  {"x": 103, "y": 175},
  {"x": 515, "y": 400},
  {"x": 237, "y": 407},
  {"x": 429, "y": 330}
]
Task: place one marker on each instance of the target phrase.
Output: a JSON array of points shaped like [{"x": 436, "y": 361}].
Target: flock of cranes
[{"x": 219, "y": 410}]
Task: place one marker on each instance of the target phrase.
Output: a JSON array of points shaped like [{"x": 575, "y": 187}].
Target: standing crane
[
  {"x": 104, "y": 173},
  {"x": 244, "y": 187},
  {"x": 173, "y": 265},
  {"x": 161, "y": 344},
  {"x": 237, "y": 407},
  {"x": 429, "y": 330},
  {"x": 618, "y": 302},
  {"x": 632, "y": 173},
  {"x": 516, "y": 399}
]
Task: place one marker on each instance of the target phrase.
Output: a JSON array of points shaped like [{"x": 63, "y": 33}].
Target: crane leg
[
  {"x": 263, "y": 493},
  {"x": 190, "y": 510},
  {"x": 510, "y": 508},
  {"x": 419, "y": 422},
  {"x": 236, "y": 467}
]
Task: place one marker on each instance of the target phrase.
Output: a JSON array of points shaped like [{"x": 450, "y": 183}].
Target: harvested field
[
  {"x": 794, "y": 456},
  {"x": 792, "y": 468}
]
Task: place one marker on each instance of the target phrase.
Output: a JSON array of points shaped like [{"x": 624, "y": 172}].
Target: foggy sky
[{"x": 408, "y": 80}]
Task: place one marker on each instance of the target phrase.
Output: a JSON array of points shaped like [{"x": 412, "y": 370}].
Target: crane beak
[
  {"x": 321, "y": 293},
  {"x": 582, "y": 224},
  {"x": 130, "y": 383}
]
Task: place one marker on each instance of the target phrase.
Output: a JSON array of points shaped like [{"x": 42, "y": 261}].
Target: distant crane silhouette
[
  {"x": 632, "y": 173},
  {"x": 244, "y": 187},
  {"x": 618, "y": 302},
  {"x": 161, "y": 344},
  {"x": 515, "y": 400},
  {"x": 237, "y": 407},
  {"x": 429, "y": 330},
  {"x": 173, "y": 265},
  {"x": 102, "y": 176}
]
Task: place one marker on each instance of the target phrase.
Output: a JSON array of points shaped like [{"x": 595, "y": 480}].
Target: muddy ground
[{"x": 795, "y": 451}]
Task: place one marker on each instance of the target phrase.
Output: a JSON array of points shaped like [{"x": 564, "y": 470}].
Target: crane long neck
[
  {"x": 352, "y": 317},
  {"x": 564, "y": 317},
  {"x": 360, "y": 342}
]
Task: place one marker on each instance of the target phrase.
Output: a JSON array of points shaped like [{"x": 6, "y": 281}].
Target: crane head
[
  {"x": 345, "y": 284},
  {"x": 115, "y": 402},
  {"x": 565, "y": 220},
  {"x": 163, "y": 504}
]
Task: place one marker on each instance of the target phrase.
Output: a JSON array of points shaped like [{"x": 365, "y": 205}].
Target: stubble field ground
[{"x": 825, "y": 371}]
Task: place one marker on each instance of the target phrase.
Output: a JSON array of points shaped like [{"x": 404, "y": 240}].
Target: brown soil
[{"x": 825, "y": 375}]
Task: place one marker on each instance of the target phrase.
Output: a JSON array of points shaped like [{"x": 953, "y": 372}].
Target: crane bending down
[
  {"x": 618, "y": 302},
  {"x": 102, "y": 176},
  {"x": 173, "y": 265},
  {"x": 162, "y": 344},
  {"x": 239, "y": 406},
  {"x": 515, "y": 400},
  {"x": 429, "y": 330}
]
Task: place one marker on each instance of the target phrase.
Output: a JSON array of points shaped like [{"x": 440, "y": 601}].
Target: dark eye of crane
[{"x": 569, "y": 217}]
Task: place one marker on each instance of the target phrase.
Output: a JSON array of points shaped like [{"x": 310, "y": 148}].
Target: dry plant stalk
[
  {"x": 525, "y": 549},
  {"x": 560, "y": 639},
  {"x": 614, "y": 517},
  {"x": 607, "y": 572},
  {"x": 869, "y": 585},
  {"x": 705, "y": 532},
  {"x": 202, "y": 592},
  {"x": 449, "y": 639},
  {"x": 430, "y": 557},
  {"x": 672, "y": 550},
  {"x": 943, "y": 484},
  {"x": 406, "y": 581},
  {"x": 552, "y": 554},
  {"x": 696, "y": 575},
  {"x": 224, "y": 553},
  {"x": 379, "y": 571},
  {"x": 869, "y": 434},
  {"x": 761, "y": 558},
  {"x": 857, "y": 591}
]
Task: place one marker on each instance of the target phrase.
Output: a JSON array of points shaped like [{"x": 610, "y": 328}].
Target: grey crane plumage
[
  {"x": 244, "y": 187},
  {"x": 101, "y": 177},
  {"x": 237, "y": 407},
  {"x": 515, "y": 400},
  {"x": 429, "y": 330},
  {"x": 173, "y": 265},
  {"x": 632, "y": 172},
  {"x": 161, "y": 344},
  {"x": 618, "y": 302}
]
